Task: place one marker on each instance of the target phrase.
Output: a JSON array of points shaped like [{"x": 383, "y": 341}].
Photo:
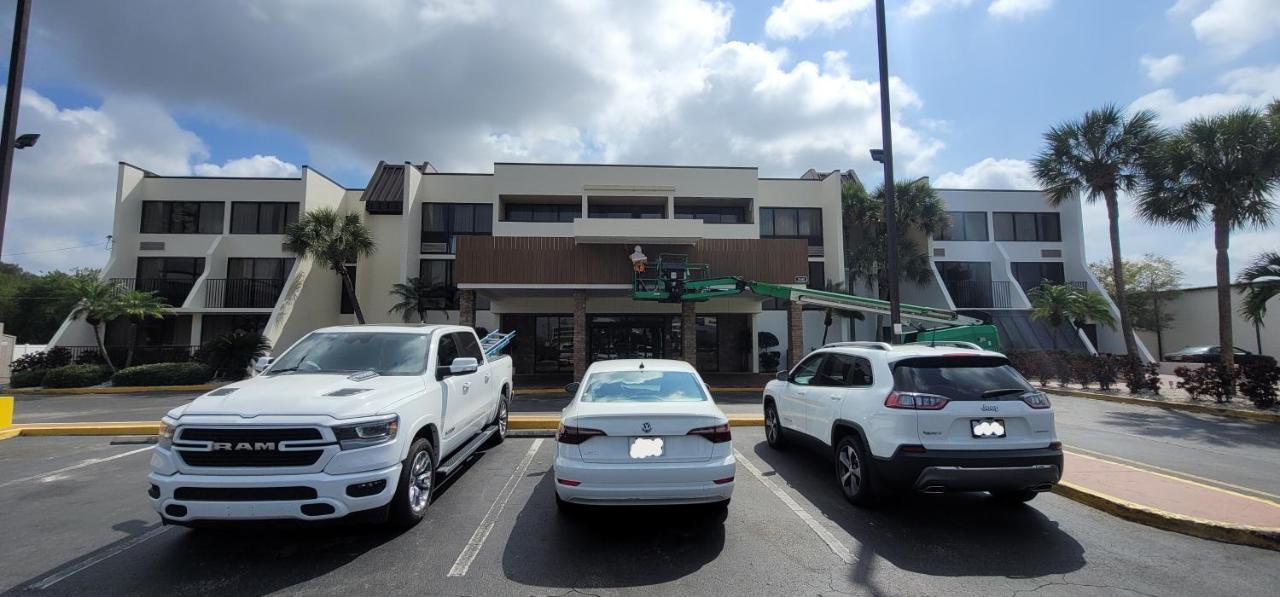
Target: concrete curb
[
  {"x": 1266, "y": 538},
  {"x": 1195, "y": 408},
  {"x": 112, "y": 390}
]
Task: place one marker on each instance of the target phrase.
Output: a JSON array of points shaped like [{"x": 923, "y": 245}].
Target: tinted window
[
  {"x": 958, "y": 378},
  {"x": 468, "y": 346},
  {"x": 845, "y": 370},
  {"x": 345, "y": 352},
  {"x": 1039, "y": 226},
  {"x": 792, "y": 222},
  {"x": 437, "y": 274},
  {"x": 642, "y": 386},
  {"x": 542, "y": 212},
  {"x": 441, "y": 222},
  {"x": 447, "y": 351},
  {"x": 181, "y": 217},
  {"x": 262, "y": 217},
  {"x": 808, "y": 370}
]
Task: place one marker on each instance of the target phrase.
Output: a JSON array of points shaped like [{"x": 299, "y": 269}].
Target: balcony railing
[
  {"x": 242, "y": 293},
  {"x": 173, "y": 292},
  {"x": 970, "y": 294}
]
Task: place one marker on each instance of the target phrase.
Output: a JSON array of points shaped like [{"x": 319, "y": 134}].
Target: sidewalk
[{"x": 1171, "y": 503}]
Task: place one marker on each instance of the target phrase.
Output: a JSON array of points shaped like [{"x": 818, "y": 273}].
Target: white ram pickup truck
[{"x": 350, "y": 420}]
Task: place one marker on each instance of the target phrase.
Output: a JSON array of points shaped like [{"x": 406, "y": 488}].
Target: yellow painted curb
[
  {"x": 1195, "y": 408},
  {"x": 8, "y": 433},
  {"x": 1266, "y": 538},
  {"x": 104, "y": 428},
  {"x": 116, "y": 390}
]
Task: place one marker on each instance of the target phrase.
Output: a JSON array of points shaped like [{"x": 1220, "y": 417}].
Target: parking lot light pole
[
  {"x": 12, "y": 94},
  {"x": 890, "y": 210}
]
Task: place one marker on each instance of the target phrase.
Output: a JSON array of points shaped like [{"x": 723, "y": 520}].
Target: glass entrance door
[{"x": 632, "y": 337}]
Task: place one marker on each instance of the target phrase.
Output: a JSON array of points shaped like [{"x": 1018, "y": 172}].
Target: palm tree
[
  {"x": 1262, "y": 283},
  {"x": 1220, "y": 171},
  {"x": 1100, "y": 155},
  {"x": 96, "y": 305},
  {"x": 1063, "y": 303},
  {"x": 230, "y": 355},
  {"x": 332, "y": 240},
  {"x": 417, "y": 296},
  {"x": 918, "y": 208},
  {"x": 138, "y": 306}
]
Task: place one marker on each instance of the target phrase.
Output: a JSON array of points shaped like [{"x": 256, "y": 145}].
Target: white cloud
[
  {"x": 1017, "y": 9},
  {"x": 920, "y": 8},
  {"x": 1160, "y": 68},
  {"x": 267, "y": 166},
  {"x": 797, "y": 19},
  {"x": 1232, "y": 27},
  {"x": 1250, "y": 86},
  {"x": 555, "y": 80},
  {"x": 990, "y": 173}
]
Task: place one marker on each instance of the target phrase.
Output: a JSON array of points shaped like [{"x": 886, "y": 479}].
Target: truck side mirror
[
  {"x": 784, "y": 376},
  {"x": 263, "y": 363},
  {"x": 572, "y": 388},
  {"x": 459, "y": 366}
]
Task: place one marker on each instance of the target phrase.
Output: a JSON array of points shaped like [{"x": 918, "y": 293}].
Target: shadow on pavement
[
  {"x": 604, "y": 548},
  {"x": 1220, "y": 431},
  {"x": 967, "y": 534}
]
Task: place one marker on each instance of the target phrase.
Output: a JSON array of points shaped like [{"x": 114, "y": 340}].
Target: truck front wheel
[
  {"x": 500, "y": 420},
  {"x": 417, "y": 482}
]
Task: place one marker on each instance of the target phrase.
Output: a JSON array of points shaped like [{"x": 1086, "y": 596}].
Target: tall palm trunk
[
  {"x": 1117, "y": 274},
  {"x": 1221, "y": 243},
  {"x": 102, "y": 347},
  {"x": 133, "y": 342},
  {"x": 351, "y": 292}
]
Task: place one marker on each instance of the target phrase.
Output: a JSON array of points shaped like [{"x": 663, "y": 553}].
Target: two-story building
[{"x": 544, "y": 250}]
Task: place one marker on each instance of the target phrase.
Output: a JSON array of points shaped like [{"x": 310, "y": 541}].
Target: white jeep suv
[{"x": 918, "y": 417}]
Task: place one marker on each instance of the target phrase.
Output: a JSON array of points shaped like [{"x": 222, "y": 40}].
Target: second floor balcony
[
  {"x": 981, "y": 294},
  {"x": 173, "y": 291},
  {"x": 242, "y": 293}
]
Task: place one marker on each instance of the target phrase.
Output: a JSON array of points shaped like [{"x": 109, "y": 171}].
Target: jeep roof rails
[
  {"x": 860, "y": 344},
  {"x": 949, "y": 344}
]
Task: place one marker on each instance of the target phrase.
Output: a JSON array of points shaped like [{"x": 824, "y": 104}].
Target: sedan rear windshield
[
  {"x": 960, "y": 378},
  {"x": 643, "y": 386}
]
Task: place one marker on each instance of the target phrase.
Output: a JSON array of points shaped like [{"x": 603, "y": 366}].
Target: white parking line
[
  {"x": 472, "y": 548},
  {"x": 836, "y": 546},
  {"x": 116, "y": 550},
  {"x": 89, "y": 462}
]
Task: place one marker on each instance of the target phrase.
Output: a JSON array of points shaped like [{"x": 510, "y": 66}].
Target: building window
[
  {"x": 169, "y": 277},
  {"x": 437, "y": 274},
  {"x": 964, "y": 225},
  {"x": 347, "y": 307},
  {"x": 707, "y": 340},
  {"x": 633, "y": 212},
  {"x": 251, "y": 283},
  {"x": 262, "y": 217},
  {"x": 442, "y": 222},
  {"x": 792, "y": 222},
  {"x": 216, "y": 326},
  {"x": 182, "y": 217},
  {"x": 1034, "y": 273},
  {"x": 553, "y": 343},
  {"x": 541, "y": 212},
  {"x": 713, "y": 215},
  {"x": 1027, "y": 226}
]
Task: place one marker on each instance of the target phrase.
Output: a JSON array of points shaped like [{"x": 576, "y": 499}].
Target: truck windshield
[
  {"x": 960, "y": 378},
  {"x": 384, "y": 353},
  {"x": 643, "y": 386}
]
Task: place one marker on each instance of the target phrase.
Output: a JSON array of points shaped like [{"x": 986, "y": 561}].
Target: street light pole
[
  {"x": 12, "y": 94},
  {"x": 890, "y": 210}
]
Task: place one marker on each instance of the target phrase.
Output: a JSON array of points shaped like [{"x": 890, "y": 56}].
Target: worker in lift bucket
[{"x": 638, "y": 260}]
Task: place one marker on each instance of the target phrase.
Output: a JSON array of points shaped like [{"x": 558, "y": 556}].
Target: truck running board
[{"x": 457, "y": 458}]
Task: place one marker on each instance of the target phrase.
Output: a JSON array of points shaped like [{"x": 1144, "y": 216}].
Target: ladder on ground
[{"x": 493, "y": 343}]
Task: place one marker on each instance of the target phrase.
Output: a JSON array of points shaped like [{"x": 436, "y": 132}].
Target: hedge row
[
  {"x": 76, "y": 376},
  {"x": 163, "y": 374}
]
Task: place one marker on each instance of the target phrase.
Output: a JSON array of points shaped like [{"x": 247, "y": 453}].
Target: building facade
[{"x": 544, "y": 250}]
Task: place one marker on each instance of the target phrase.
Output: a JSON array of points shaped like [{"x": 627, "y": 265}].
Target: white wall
[{"x": 1195, "y": 314}]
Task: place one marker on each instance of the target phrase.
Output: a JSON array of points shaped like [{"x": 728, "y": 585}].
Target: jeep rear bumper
[{"x": 940, "y": 471}]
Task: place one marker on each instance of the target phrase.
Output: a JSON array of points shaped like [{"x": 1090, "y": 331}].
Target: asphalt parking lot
[{"x": 75, "y": 521}]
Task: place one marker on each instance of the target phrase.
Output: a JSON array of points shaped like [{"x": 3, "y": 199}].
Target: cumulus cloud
[
  {"x": 920, "y": 8},
  {"x": 1250, "y": 86},
  {"x": 990, "y": 173},
  {"x": 1017, "y": 9},
  {"x": 268, "y": 166},
  {"x": 556, "y": 80},
  {"x": 797, "y": 19},
  {"x": 1232, "y": 27},
  {"x": 1159, "y": 68}
]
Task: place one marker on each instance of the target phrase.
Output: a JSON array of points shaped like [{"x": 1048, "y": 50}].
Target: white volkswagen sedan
[{"x": 643, "y": 431}]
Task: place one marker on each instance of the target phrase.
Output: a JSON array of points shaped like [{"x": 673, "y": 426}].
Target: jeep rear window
[{"x": 959, "y": 378}]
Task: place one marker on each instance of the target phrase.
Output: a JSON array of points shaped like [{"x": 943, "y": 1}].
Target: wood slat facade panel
[{"x": 559, "y": 260}]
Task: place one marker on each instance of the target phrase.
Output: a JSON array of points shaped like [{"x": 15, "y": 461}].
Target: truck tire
[
  {"x": 853, "y": 472},
  {"x": 500, "y": 419},
  {"x": 416, "y": 486}
]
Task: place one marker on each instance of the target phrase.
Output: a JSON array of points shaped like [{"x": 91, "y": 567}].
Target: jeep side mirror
[
  {"x": 784, "y": 376},
  {"x": 572, "y": 388},
  {"x": 263, "y": 363}
]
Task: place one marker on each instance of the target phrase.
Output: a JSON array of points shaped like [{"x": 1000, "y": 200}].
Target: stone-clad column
[
  {"x": 467, "y": 308},
  {"x": 579, "y": 334},
  {"x": 689, "y": 333},
  {"x": 795, "y": 333}
]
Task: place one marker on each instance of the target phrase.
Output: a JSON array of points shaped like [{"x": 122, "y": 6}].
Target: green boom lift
[{"x": 672, "y": 279}]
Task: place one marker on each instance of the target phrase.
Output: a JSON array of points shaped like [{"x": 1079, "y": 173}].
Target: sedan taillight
[
  {"x": 568, "y": 434},
  {"x": 915, "y": 401},
  {"x": 717, "y": 435}
]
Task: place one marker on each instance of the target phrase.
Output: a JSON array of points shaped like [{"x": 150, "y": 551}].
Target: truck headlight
[
  {"x": 167, "y": 430},
  {"x": 368, "y": 433}
]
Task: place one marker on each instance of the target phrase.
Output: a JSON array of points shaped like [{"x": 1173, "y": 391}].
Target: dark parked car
[{"x": 1209, "y": 354}]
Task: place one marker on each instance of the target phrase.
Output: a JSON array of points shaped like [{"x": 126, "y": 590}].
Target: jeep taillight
[
  {"x": 568, "y": 434},
  {"x": 915, "y": 401},
  {"x": 1036, "y": 399}
]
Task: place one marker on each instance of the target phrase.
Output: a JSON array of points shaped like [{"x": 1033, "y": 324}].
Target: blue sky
[{"x": 263, "y": 86}]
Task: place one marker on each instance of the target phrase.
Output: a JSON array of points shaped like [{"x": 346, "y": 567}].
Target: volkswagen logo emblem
[{"x": 646, "y": 427}]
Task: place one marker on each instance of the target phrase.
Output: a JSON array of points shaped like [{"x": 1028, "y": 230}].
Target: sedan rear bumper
[
  {"x": 644, "y": 483},
  {"x": 940, "y": 471}
]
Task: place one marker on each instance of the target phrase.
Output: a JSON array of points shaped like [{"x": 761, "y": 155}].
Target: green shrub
[
  {"x": 28, "y": 378},
  {"x": 1211, "y": 379},
  {"x": 163, "y": 374},
  {"x": 231, "y": 355},
  {"x": 1259, "y": 382},
  {"x": 76, "y": 376},
  {"x": 52, "y": 358},
  {"x": 1140, "y": 377}
]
